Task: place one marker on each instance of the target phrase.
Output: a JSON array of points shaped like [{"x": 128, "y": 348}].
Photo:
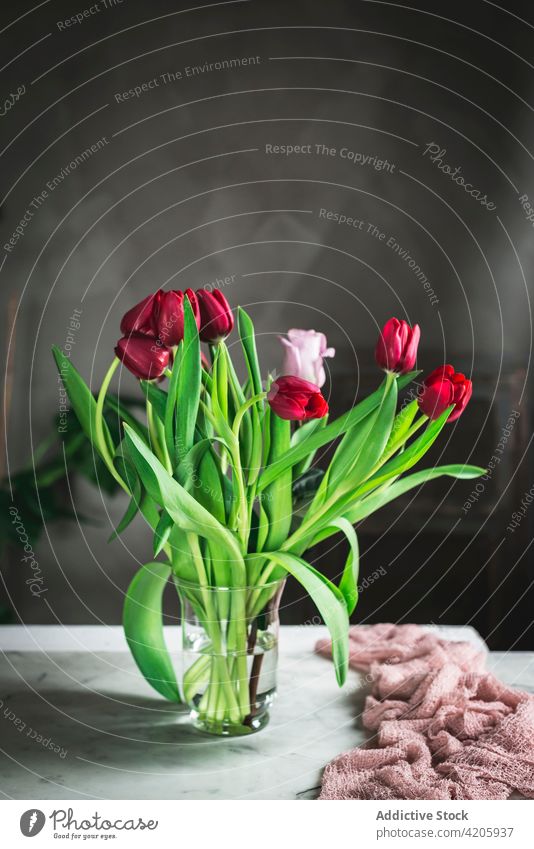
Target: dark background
[{"x": 182, "y": 192}]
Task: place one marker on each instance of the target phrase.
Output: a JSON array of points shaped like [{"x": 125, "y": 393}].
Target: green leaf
[
  {"x": 401, "y": 425},
  {"x": 409, "y": 457},
  {"x": 156, "y": 396},
  {"x": 345, "y": 456},
  {"x": 375, "y": 501},
  {"x": 132, "y": 509},
  {"x": 162, "y": 532},
  {"x": 139, "y": 499},
  {"x": 219, "y": 394},
  {"x": 204, "y": 478},
  {"x": 183, "y": 567},
  {"x": 328, "y": 433},
  {"x": 233, "y": 381},
  {"x": 349, "y": 579},
  {"x": 256, "y": 448},
  {"x": 329, "y": 602},
  {"x": 184, "y": 509},
  {"x": 306, "y": 429},
  {"x": 362, "y": 446},
  {"x": 211, "y": 487},
  {"x": 201, "y": 474},
  {"x": 122, "y": 412},
  {"x": 189, "y": 382},
  {"x": 277, "y": 499},
  {"x": 220, "y": 379},
  {"x": 252, "y": 435},
  {"x": 170, "y": 406},
  {"x": 143, "y": 627},
  {"x": 248, "y": 342},
  {"x": 375, "y": 442},
  {"x": 189, "y": 464},
  {"x": 238, "y": 399},
  {"x": 358, "y": 452},
  {"x": 81, "y": 399},
  {"x": 215, "y": 416},
  {"x": 392, "y": 469},
  {"x": 300, "y": 435}
]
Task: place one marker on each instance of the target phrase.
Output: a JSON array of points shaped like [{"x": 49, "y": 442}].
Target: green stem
[
  {"x": 157, "y": 437},
  {"x": 239, "y": 515},
  {"x": 166, "y": 456},
  {"x": 255, "y": 601},
  {"x": 236, "y": 519},
  {"x": 243, "y": 513},
  {"x": 243, "y": 409},
  {"x": 220, "y": 676},
  {"x": 195, "y": 675},
  {"x": 101, "y": 440},
  {"x": 154, "y": 441},
  {"x": 237, "y": 647}
]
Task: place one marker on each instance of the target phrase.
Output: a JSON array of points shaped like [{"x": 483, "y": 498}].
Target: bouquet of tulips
[{"x": 222, "y": 471}]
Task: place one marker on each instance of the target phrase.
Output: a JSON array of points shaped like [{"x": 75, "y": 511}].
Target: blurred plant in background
[{"x": 41, "y": 489}]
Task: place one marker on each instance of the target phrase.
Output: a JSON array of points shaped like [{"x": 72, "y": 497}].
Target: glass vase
[{"x": 229, "y": 655}]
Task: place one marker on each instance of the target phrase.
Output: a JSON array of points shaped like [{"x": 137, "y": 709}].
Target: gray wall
[{"x": 184, "y": 192}]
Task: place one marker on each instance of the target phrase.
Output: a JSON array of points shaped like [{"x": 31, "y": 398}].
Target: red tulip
[
  {"x": 169, "y": 316},
  {"x": 140, "y": 319},
  {"x": 143, "y": 355},
  {"x": 216, "y": 317},
  {"x": 442, "y": 388},
  {"x": 396, "y": 349},
  {"x": 296, "y": 399}
]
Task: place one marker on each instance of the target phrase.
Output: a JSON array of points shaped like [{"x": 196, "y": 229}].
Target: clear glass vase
[{"x": 229, "y": 655}]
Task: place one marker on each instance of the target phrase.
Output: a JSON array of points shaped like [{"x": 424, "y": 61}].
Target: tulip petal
[
  {"x": 307, "y": 347},
  {"x": 216, "y": 317},
  {"x": 143, "y": 355},
  {"x": 140, "y": 318},
  {"x": 296, "y": 399}
]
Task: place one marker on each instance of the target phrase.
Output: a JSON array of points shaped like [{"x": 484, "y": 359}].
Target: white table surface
[{"x": 78, "y": 721}]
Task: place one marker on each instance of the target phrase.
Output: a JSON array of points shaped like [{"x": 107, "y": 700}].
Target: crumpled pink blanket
[{"x": 443, "y": 728}]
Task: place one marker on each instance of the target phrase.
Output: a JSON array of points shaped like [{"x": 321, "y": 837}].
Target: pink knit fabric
[{"x": 442, "y": 727}]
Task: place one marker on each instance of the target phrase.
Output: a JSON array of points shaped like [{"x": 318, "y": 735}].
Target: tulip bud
[
  {"x": 144, "y": 356},
  {"x": 396, "y": 349},
  {"x": 140, "y": 319},
  {"x": 442, "y": 388},
  {"x": 169, "y": 316},
  {"x": 304, "y": 353},
  {"x": 216, "y": 317},
  {"x": 296, "y": 399}
]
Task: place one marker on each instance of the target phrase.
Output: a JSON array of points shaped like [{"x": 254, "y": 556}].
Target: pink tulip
[{"x": 304, "y": 353}]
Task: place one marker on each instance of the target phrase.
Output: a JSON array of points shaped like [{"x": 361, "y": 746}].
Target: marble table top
[{"x": 77, "y": 721}]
